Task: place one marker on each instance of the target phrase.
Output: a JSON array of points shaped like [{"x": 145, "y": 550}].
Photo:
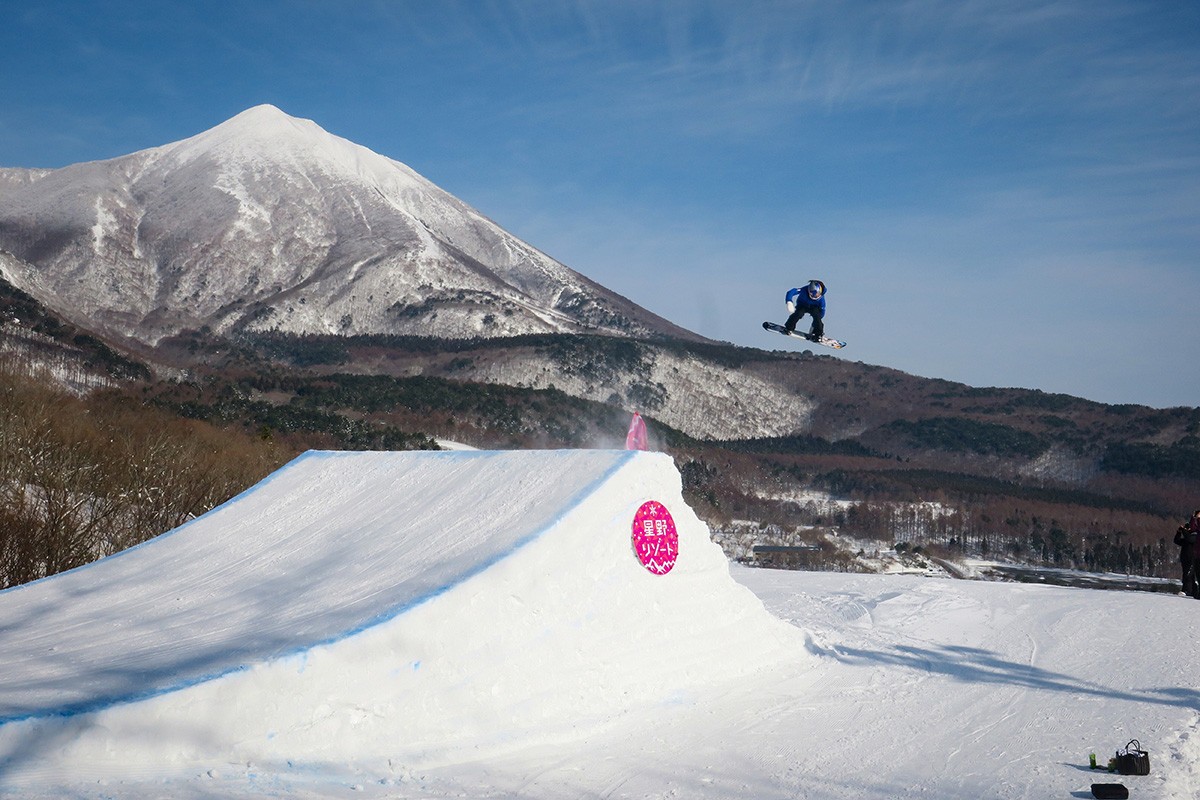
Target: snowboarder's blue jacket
[{"x": 799, "y": 297}]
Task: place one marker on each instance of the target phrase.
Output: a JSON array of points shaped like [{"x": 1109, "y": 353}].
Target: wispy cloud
[{"x": 759, "y": 65}]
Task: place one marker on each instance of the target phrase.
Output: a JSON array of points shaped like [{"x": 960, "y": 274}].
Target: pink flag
[{"x": 636, "y": 438}]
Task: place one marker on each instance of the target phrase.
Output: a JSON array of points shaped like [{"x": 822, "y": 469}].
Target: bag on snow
[
  {"x": 1110, "y": 791},
  {"x": 1133, "y": 760}
]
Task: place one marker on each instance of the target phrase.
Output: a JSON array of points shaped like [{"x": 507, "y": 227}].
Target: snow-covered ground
[{"x": 475, "y": 624}]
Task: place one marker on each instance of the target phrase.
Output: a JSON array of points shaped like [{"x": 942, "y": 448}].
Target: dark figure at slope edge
[{"x": 1186, "y": 537}]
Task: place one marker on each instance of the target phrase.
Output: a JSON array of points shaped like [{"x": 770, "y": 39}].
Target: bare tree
[{"x": 82, "y": 478}]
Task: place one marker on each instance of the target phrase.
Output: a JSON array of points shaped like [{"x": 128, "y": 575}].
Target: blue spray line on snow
[{"x": 102, "y": 703}]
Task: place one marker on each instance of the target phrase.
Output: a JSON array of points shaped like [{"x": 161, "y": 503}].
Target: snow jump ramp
[{"x": 381, "y": 607}]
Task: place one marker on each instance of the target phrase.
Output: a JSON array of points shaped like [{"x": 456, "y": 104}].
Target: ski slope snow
[{"x": 479, "y": 624}]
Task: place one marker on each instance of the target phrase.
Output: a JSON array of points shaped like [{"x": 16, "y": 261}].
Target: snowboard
[{"x": 825, "y": 340}]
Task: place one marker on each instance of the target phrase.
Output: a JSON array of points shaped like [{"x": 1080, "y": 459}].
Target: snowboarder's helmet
[{"x": 816, "y": 289}]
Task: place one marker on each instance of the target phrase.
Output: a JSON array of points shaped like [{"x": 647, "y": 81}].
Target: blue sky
[{"x": 998, "y": 193}]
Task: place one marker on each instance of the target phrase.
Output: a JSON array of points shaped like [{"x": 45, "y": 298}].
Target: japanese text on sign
[{"x": 655, "y": 540}]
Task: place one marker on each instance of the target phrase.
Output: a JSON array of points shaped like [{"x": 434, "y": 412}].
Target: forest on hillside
[
  {"x": 86, "y": 477},
  {"x": 87, "y": 473},
  {"x": 802, "y": 500}
]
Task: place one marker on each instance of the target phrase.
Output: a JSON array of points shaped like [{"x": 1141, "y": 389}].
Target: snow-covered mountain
[{"x": 268, "y": 222}]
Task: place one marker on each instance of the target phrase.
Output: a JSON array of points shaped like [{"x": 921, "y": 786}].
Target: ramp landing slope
[{"x": 413, "y": 608}]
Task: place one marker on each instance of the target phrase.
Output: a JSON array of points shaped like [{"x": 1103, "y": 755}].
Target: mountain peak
[
  {"x": 262, "y": 111},
  {"x": 268, "y": 222},
  {"x": 263, "y": 135},
  {"x": 267, "y": 121},
  {"x": 261, "y": 128}
]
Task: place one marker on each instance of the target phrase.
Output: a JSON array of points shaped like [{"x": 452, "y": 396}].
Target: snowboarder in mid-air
[{"x": 808, "y": 299}]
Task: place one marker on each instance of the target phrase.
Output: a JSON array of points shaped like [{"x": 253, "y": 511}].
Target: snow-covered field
[{"x": 475, "y": 624}]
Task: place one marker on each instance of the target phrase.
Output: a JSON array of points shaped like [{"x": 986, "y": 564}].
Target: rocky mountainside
[{"x": 267, "y": 222}]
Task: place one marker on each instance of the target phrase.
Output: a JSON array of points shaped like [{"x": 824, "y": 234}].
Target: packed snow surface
[{"x": 477, "y": 624}]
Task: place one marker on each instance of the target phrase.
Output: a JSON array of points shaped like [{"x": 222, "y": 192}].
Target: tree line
[
  {"x": 952, "y": 515},
  {"x": 1018, "y": 531},
  {"x": 85, "y": 477}
]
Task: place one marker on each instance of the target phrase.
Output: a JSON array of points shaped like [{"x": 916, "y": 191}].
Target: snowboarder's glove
[{"x": 791, "y": 307}]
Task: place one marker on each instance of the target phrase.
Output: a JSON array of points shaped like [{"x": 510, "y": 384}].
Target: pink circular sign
[{"x": 655, "y": 540}]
